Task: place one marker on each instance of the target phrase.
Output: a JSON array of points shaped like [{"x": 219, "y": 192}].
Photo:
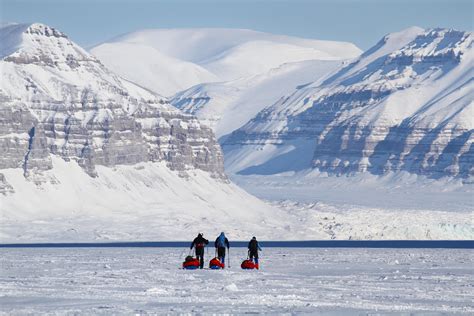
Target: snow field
[{"x": 291, "y": 281}]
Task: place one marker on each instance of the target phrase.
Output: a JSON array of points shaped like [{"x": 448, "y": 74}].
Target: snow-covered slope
[
  {"x": 144, "y": 201},
  {"x": 260, "y": 56},
  {"x": 148, "y": 67},
  {"x": 405, "y": 104},
  {"x": 201, "y": 44},
  {"x": 226, "y": 106},
  {"x": 169, "y": 60},
  {"x": 83, "y": 150}
]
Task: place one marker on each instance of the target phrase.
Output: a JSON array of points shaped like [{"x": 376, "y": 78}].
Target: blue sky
[{"x": 362, "y": 22}]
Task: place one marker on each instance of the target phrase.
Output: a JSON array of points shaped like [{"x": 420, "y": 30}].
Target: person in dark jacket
[
  {"x": 254, "y": 247},
  {"x": 221, "y": 243},
  {"x": 199, "y": 243}
]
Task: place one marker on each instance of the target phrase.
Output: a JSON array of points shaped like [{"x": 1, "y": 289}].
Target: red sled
[
  {"x": 190, "y": 263},
  {"x": 248, "y": 265},
  {"x": 215, "y": 264}
]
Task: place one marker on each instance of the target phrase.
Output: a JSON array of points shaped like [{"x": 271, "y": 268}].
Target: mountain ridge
[{"x": 212, "y": 55}]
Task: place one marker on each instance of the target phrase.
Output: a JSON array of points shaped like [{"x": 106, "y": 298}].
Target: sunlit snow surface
[{"x": 292, "y": 281}]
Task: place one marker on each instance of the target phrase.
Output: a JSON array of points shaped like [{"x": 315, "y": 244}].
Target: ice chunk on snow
[
  {"x": 156, "y": 290},
  {"x": 231, "y": 288}
]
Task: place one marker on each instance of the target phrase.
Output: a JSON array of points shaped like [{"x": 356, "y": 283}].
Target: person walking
[
  {"x": 221, "y": 243},
  {"x": 254, "y": 247},
  {"x": 199, "y": 243}
]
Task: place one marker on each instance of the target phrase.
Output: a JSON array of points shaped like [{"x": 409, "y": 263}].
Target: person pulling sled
[
  {"x": 199, "y": 243},
  {"x": 254, "y": 247},
  {"x": 221, "y": 243},
  {"x": 252, "y": 259}
]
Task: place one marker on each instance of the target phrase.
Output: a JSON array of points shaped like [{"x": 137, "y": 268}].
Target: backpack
[
  {"x": 221, "y": 242},
  {"x": 189, "y": 258},
  {"x": 253, "y": 245}
]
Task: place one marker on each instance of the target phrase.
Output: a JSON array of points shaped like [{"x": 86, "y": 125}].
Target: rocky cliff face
[
  {"x": 57, "y": 99},
  {"x": 405, "y": 104}
]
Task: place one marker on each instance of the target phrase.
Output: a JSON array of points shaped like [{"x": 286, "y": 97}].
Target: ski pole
[{"x": 228, "y": 257}]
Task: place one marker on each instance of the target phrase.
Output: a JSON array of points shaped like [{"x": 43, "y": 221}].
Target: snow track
[{"x": 292, "y": 281}]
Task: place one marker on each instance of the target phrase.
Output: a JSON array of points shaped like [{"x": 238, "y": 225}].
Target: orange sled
[
  {"x": 190, "y": 263},
  {"x": 248, "y": 265},
  {"x": 215, "y": 264}
]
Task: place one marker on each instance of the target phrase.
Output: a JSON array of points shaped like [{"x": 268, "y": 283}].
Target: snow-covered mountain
[
  {"x": 167, "y": 61},
  {"x": 86, "y": 154},
  {"x": 150, "y": 68},
  {"x": 405, "y": 104},
  {"x": 58, "y": 99}
]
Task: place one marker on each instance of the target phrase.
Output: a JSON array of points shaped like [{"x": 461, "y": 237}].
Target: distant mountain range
[
  {"x": 287, "y": 104},
  {"x": 228, "y": 75},
  {"x": 167, "y": 61}
]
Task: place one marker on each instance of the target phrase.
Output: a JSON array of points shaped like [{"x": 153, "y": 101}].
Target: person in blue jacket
[
  {"x": 254, "y": 247},
  {"x": 221, "y": 243}
]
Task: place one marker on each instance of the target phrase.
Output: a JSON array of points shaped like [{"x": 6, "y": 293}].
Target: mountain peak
[
  {"x": 436, "y": 44},
  {"x": 394, "y": 40},
  {"x": 40, "y": 44},
  {"x": 43, "y": 30},
  {"x": 409, "y": 31}
]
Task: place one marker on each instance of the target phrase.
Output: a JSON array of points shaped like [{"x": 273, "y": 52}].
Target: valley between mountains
[{"x": 160, "y": 133}]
